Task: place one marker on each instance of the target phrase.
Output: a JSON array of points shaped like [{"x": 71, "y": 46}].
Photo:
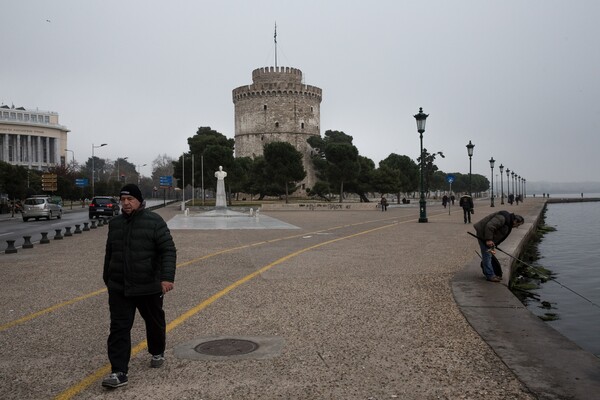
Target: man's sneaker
[
  {"x": 115, "y": 380},
  {"x": 494, "y": 279},
  {"x": 157, "y": 361}
]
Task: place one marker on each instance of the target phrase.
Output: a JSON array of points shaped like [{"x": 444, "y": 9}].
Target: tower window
[
  {"x": 276, "y": 124},
  {"x": 302, "y": 125},
  {"x": 265, "y": 107}
]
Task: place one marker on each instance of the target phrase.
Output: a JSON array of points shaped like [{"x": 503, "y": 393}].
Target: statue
[{"x": 221, "y": 199}]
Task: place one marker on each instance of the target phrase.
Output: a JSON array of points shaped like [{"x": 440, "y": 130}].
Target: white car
[{"x": 41, "y": 207}]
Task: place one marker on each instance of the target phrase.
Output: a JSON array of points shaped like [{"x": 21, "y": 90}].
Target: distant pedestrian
[
  {"x": 452, "y": 198},
  {"x": 466, "y": 202},
  {"x": 445, "y": 200},
  {"x": 139, "y": 268},
  {"x": 384, "y": 203},
  {"x": 491, "y": 231}
]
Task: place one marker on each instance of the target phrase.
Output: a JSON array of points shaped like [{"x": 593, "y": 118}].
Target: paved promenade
[{"x": 342, "y": 305}]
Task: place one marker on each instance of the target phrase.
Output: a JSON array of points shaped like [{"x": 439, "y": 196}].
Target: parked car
[
  {"x": 104, "y": 205},
  {"x": 41, "y": 207}
]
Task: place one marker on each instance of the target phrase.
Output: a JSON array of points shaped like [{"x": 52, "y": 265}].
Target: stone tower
[{"x": 277, "y": 106}]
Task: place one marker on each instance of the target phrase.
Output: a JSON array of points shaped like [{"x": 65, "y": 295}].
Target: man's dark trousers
[{"x": 122, "y": 314}]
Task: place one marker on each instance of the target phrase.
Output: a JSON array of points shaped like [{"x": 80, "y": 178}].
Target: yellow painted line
[
  {"x": 50, "y": 309},
  {"x": 181, "y": 265},
  {"x": 95, "y": 376}
]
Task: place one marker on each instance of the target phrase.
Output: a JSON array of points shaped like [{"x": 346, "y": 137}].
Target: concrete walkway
[{"x": 346, "y": 305}]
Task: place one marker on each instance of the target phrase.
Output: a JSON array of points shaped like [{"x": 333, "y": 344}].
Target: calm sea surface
[{"x": 573, "y": 254}]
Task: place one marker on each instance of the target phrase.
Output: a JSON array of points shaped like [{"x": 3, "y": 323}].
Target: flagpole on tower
[{"x": 275, "y": 40}]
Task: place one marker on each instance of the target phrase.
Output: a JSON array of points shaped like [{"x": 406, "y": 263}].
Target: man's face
[{"x": 129, "y": 204}]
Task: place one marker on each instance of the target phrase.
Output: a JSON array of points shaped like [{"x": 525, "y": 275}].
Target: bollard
[
  {"x": 11, "y": 247},
  {"x": 85, "y": 226},
  {"x": 44, "y": 239},
  {"x": 68, "y": 231},
  {"x": 100, "y": 222},
  {"x": 93, "y": 226},
  {"x": 77, "y": 230},
  {"x": 27, "y": 242},
  {"x": 58, "y": 236}
]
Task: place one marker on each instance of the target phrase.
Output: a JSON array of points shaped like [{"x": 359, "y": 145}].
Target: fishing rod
[{"x": 538, "y": 271}]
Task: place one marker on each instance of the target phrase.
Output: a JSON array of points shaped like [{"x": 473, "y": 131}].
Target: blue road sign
[
  {"x": 166, "y": 181},
  {"x": 450, "y": 178},
  {"x": 81, "y": 182}
]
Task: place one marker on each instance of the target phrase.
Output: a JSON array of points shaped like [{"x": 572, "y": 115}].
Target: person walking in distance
[
  {"x": 384, "y": 203},
  {"x": 466, "y": 202},
  {"x": 139, "y": 269},
  {"x": 491, "y": 231}
]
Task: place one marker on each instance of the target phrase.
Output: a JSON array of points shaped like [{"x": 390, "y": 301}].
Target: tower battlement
[
  {"x": 266, "y": 74},
  {"x": 268, "y": 81}
]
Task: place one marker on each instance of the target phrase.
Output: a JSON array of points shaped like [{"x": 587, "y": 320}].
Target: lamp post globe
[
  {"x": 492, "y": 161},
  {"x": 470, "y": 147},
  {"x": 421, "y": 117}
]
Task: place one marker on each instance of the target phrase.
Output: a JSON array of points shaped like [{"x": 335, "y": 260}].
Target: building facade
[
  {"x": 277, "y": 106},
  {"x": 31, "y": 138}
]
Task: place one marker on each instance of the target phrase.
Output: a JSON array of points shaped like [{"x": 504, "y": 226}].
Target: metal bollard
[
  {"x": 11, "y": 247},
  {"x": 68, "y": 231},
  {"x": 85, "y": 226},
  {"x": 100, "y": 222},
  {"x": 58, "y": 236},
  {"x": 44, "y": 239},
  {"x": 27, "y": 242},
  {"x": 77, "y": 230},
  {"x": 93, "y": 226}
]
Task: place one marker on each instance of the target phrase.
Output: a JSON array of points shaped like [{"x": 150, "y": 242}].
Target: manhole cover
[{"x": 226, "y": 347}]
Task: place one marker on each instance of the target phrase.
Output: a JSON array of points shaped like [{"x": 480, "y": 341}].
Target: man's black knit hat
[{"x": 132, "y": 190}]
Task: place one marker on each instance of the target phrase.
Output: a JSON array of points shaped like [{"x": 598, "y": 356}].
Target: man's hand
[{"x": 167, "y": 286}]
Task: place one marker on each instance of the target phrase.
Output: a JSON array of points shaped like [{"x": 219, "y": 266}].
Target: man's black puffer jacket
[{"x": 140, "y": 253}]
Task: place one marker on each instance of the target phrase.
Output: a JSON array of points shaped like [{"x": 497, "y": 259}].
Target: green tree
[
  {"x": 13, "y": 180},
  {"x": 284, "y": 165},
  {"x": 405, "y": 170},
  {"x": 429, "y": 167},
  {"x": 337, "y": 160}
]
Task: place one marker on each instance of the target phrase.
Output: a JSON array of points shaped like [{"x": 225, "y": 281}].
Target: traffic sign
[
  {"x": 450, "y": 178},
  {"x": 81, "y": 182},
  {"x": 166, "y": 181},
  {"x": 49, "y": 182}
]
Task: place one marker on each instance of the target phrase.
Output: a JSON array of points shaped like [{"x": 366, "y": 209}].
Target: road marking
[
  {"x": 8, "y": 233},
  {"x": 88, "y": 380}
]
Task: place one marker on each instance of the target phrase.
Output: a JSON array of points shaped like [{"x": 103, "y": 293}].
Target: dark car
[{"x": 104, "y": 205}]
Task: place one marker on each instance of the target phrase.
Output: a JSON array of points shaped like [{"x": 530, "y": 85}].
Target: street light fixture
[
  {"x": 492, "y": 161},
  {"x": 421, "y": 118},
  {"x": 470, "y": 153},
  {"x": 94, "y": 167},
  {"x": 501, "y": 167}
]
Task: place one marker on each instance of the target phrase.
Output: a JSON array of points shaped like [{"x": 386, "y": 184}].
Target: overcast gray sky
[{"x": 521, "y": 79}]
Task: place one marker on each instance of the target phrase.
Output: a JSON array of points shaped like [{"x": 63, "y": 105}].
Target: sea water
[{"x": 572, "y": 253}]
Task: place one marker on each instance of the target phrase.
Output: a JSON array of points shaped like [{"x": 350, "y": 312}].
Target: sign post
[
  {"x": 49, "y": 182},
  {"x": 165, "y": 182},
  {"x": 450, "y": 179}
]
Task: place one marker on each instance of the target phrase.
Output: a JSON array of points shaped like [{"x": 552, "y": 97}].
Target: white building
[{"x": 31, "y": 138}]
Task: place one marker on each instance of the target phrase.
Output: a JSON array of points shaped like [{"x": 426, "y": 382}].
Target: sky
[{"x": 520, "y": 79}]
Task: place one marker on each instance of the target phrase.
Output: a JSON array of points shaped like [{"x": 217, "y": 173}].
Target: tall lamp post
[
  {"x": 421, "y": 118},
  {"x": 492, "y": 161},
  {"x": 512, "y": 178},
  {"x": 524, "y": 188},
  {"x": 139, "y": 171},
  {"x": 73, "y": 159},
  {"x": 94, "y": 167},
  {"x": 470, "y": 153},
  {"x": 501, "y": 167}
]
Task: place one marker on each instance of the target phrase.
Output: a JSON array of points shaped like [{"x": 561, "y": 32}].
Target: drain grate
[{"x": 226, "y": 347}]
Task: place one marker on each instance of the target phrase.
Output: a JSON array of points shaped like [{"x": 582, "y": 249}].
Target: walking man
[
  {"x": 466, "y": 202},
  {"x": 491, "y": 231},
  {"x": 139, "y": 268}
]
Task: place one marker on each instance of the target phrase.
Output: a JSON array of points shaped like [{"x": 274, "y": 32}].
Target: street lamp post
[
  {"x": 492, "y": 161},
  {"x": 524, "y": 188},
  {"x": 501, "y": 167},
  {"x": 139, "y": 171},
  {"x": 73, "y": 159},
  {"x": 512, "y": 178},
  {"x": 421, "y": 118},
  {"x": 94, "y": 167},
  {"x": 470, "y": 153}
]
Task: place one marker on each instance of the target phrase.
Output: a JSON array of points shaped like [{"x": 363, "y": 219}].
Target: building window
[
  {"x": 47, "y": 119},
  {"x": 265, "y": 107},
  {"x": 26, "y": 117},
  {"x": 276, "y": 124},
  {"x": 34, "y": 118},
  {"x": 13, "y": 115},
  {"x": 302, "y": 125},
  {"x": 20, "y": 117}
]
